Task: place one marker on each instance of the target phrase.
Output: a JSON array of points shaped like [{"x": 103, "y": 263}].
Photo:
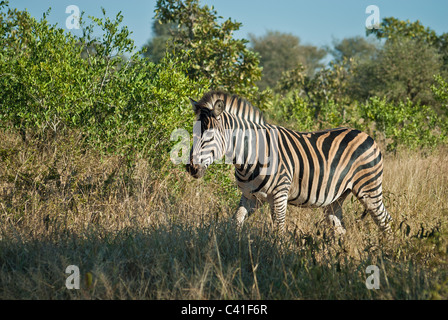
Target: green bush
[
  {"x": 440, "y": 91},
  {"x": 404, "y": 123},
  {"x": 292, "y": 111},
  {"x": 53, "y": 81}
]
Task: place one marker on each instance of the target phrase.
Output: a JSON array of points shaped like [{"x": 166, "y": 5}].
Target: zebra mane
[{"x": 234, "y": 104}]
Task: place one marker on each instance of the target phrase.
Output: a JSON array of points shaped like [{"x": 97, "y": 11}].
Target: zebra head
[{"x": 208, "y": 142}]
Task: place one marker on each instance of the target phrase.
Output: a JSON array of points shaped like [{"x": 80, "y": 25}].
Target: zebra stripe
[{"x": 282, "y": 166}]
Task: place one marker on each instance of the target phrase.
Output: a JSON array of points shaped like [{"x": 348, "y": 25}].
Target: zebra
[{"x": 280, "y": 166}]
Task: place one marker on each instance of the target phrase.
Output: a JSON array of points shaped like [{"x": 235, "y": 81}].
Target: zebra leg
[
  {"x": 278, "y": 206},
  {"x": 373, "y": 204},
  {"x": 334, "y": 214},
  {"x": 246, "y": 206}
]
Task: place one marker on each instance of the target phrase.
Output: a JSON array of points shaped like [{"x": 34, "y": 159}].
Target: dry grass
[{"x": 143, "y": 236}]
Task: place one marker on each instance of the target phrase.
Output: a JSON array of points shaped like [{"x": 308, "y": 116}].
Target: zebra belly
[
  {"x": 259, "y": 195},
  {"x": 301, "y": 202}
]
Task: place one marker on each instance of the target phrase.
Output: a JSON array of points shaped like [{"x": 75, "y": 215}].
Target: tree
[
  {"x": 209, "y": 46},
  {"x": 156, "y": 47},
  {"x": 358, "y": 48},
  {"x": 281, "y": 52},
  {"x": 403, "y": 69},
  {"x": 392, "y": 29}
]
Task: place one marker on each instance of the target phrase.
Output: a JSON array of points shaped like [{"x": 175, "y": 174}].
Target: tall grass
[{"x": 137, "y": 235}]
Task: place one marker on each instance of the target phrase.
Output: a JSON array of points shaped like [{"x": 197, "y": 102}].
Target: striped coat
[{"x": 277, "y": 165}]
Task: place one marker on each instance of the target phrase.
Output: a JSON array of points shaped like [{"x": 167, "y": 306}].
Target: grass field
[{"x": 136, "y": 235}]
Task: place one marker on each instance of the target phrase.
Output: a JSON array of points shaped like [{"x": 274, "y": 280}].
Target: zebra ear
[
  {"x": 218, "y": 108},
  {"x": 195, "y": 106}
]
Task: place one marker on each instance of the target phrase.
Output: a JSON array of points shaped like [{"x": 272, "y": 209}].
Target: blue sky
[{"x": 316, "y": 22}]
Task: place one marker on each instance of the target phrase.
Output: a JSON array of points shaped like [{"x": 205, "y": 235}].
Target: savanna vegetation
[{"x": 86, "y": 177}]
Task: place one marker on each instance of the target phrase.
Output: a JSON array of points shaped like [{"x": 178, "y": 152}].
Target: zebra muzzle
[{"x": 196, "y": 171}]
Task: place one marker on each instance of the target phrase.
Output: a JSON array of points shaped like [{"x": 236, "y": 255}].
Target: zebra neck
[{"x": 246, "y": 145}]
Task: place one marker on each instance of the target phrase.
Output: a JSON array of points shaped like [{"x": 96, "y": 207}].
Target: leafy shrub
[
  {"x": 405, "y": 123},
  {"x": 292, "y": 111},
  {"x": 52, "y": 81},
  {"x": 440, "y": 91}
]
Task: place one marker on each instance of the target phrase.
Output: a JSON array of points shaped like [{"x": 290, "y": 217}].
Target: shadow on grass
[{"x": 186, "y": 261}]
